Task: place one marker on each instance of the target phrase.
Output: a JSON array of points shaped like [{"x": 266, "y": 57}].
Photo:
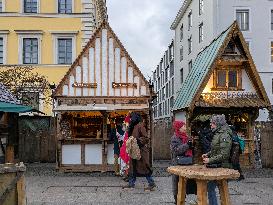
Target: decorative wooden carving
[
  {"x": 124, "y": 85},
  {"x": 84, "y": 85}
]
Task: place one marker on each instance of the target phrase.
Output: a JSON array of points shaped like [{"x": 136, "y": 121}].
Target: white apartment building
[
  {"x": 198, "y": 22},
  {"x": 163, "y": 81}
]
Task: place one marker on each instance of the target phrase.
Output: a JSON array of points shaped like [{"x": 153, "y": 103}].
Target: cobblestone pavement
[{"x": 47, "y": 187}]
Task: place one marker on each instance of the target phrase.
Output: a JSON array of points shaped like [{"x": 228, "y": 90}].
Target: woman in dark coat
[
  {"x": 139, "y": 167},
  {"x": 180, "y": 146}
]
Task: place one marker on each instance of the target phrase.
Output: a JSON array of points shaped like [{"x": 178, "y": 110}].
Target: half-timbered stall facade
[
  {"x": 224, "y": 80},
  {"x": 95, "y": 95}
]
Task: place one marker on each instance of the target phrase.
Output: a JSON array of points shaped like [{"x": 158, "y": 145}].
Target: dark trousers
[{"x": 132, "y": 180}]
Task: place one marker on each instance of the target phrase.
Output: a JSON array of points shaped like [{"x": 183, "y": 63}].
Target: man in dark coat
[{"x": 140, "y": 167}]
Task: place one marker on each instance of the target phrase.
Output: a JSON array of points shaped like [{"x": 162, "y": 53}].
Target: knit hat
[{"x": 218, "y": 120}]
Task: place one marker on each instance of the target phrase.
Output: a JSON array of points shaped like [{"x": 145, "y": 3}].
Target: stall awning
[{"x": 9, "y": 107}]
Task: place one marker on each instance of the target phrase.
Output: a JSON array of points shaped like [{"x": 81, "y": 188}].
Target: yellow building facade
[{"x": 47, "y": 34}]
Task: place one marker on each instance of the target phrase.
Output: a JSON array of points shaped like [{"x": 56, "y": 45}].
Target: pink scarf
[{"x": 181, "y": 135}]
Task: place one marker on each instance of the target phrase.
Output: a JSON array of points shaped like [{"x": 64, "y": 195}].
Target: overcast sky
[{"x": 143, "y": 26}]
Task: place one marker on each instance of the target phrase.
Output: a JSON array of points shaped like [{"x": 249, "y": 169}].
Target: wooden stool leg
[
  {"x": 21, "y": 191},
  {"x": 202, "y": 192},
  {"x": 224, "y": 193},
  {"x": 181, "y": 196}
]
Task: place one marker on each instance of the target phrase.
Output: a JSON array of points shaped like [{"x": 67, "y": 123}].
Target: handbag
[{"x": 182, "y": 160}]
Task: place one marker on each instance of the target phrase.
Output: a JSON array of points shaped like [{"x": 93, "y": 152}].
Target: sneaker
[
  {"x": 150, "y": 187},
  {"x": 128, "y": 186}
]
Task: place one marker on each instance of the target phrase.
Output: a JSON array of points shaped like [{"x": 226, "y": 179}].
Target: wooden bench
[{"x": 202, "y": 175}]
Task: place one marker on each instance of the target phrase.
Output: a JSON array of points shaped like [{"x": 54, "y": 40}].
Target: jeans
[
  {"x": 132, "y": 180},
  {"x": 212, "y": 193}
]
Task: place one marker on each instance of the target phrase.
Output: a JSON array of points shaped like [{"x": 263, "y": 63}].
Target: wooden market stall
[
  {"x": 95, "y": 95},
  {"x": 224, "y": 80}
]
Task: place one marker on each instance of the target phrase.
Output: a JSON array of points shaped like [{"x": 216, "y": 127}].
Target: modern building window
[
  {"x": 1, "y": 50},
  {"x": 173, "y": 86},
  {"x": 181, "y": 75},
  {"x": 171, "y": 69},
  {"x": 181, "y": 54},
  {"x": 242, "y": 17},
  {"x": 30, "y": 6},
  {"x": 166, "y": 74},
  {"x": 201, "y": 32},
  {"x": 190, "y": 44},
  {"x": 167, "y": 90},
  {"x": 1, "y": 6},
  {"x": 30, "y": 51},
  {"x": 181, "y": 32},
  {"x": 201, "y": 7},
  {"x": 64, "y": 6},
  {"x": 171, "y": 102},
  {"x": 190, "y": 66},
  {"x": 64, "y": 51},
  {"x": 190, "y": 20},
  {"x": 271, "y": 51},
  {"x": 272, "y": 19}
]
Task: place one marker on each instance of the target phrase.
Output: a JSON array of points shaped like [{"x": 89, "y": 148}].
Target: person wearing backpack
[
  {"x": 219, "y": 156},
  {"x": 238, "y": 146}
]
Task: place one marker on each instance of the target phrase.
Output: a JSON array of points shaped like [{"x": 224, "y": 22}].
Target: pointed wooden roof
[
  {"x": 104, "y": 68},
  {"x": 203, "y": 67}
]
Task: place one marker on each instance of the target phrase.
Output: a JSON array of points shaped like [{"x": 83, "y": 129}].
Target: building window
[
  {"x": 181, "y": 53},
  {"x": 271, "y": 51},
  {"x": 64, "y": 6},
  {"x": 166, "y": 75},
  {"x": 201, "y": 7},
  {"x": 190, "y": 44},
  {"x": 272, "y": 20},
  {"x": 30, "y": 6},
  {"x": 171, "y": 69},
  {"x": 171, "y": 102},
  {"x": 242, "y": 17},
  {"x": 173, "y": 86},
  {"x": 181, "y": 75},
  {"x": 1, "y": 6},
  {"x": 228, "y": 79},
  {"x": 181, "y": 32},
  {"x": 30, "y": 51},
  {"x": 64, "y": 51},
  {"x": 190, "y": 20},
  {"x": 167, "y": 90},
  {"x": 1, "y": 51},
  {"x": 31, "y": 99},
  {"x": 190, "y": 66},
  {"x": 201, "y": 32}
]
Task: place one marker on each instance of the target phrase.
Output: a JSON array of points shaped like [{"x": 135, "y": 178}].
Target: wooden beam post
[
  {"x": 10, "y": 154},
  {"x": 21, "y": 191},
  {"x": 224, "y": 193},
  {"x": 181, "y": 195},
  {"x": 202, "y": 192}
]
